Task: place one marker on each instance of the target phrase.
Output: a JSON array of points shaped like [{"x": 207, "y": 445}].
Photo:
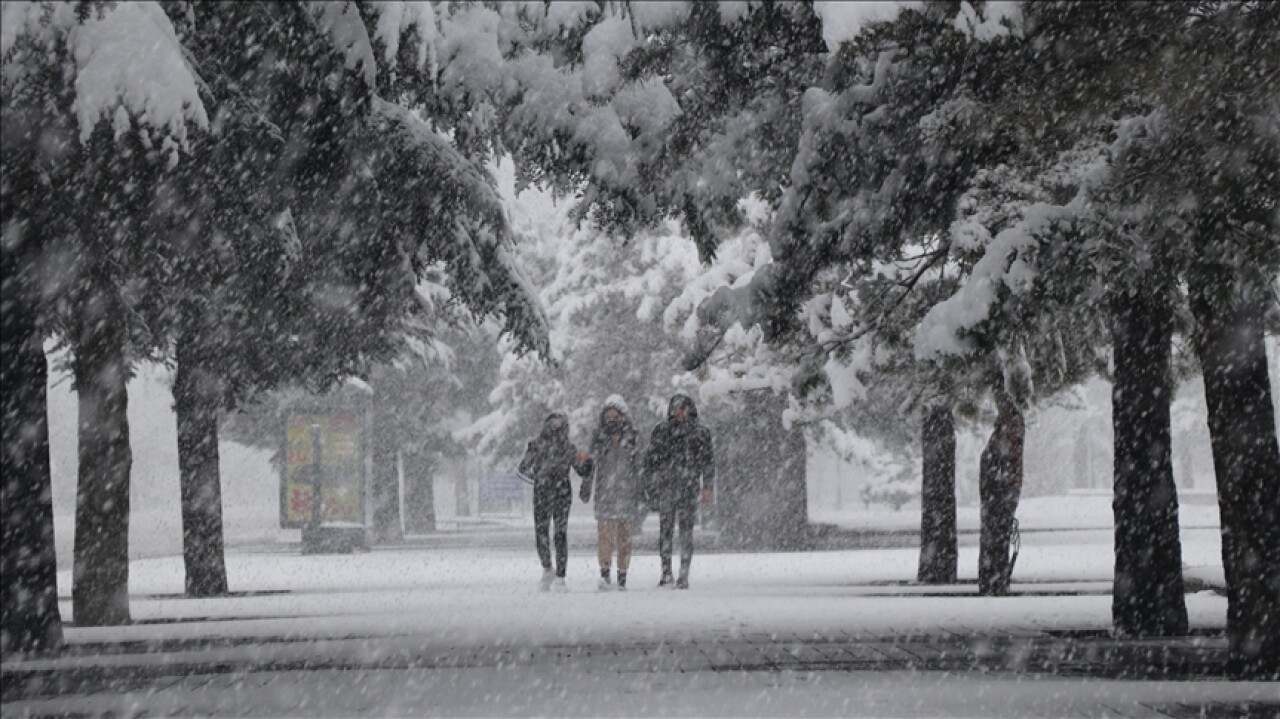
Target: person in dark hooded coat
[
  {"x": 679, "y": 470},
  {"x": 547, "y": 462},
  {"x": 615, "y": 450}
]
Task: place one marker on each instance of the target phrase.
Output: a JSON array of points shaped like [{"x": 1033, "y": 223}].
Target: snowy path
[{"x": 464, "y": 632}]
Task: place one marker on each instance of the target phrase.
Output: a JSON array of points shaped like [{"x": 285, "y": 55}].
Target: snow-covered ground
[
  {"x": 452, "y": 591},
  {"x": 361, "y": 615},
  {"x": 1077, "y": 510}
]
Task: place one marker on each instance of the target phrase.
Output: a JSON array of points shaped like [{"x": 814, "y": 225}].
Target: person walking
[
  {"x": 615, "y": 453},
  {"x": 547, "y": 462},
  {"x": 679, "y": 472}
]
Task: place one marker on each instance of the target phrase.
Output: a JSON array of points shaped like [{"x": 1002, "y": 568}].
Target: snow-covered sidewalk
[{"x": 465, "y": 632}]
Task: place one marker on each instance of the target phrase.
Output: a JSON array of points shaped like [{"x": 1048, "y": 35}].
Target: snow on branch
[
  {"x": 127, "y": 62},
  {"x": 341, "y": 22},
  {"x": 993, "y": 20},
  {"x": 1002, "y": 264},
  {"x": 464, "y": 210},
  {"x": 844, "y": 21},
  {"x": 397, "y": 18}
]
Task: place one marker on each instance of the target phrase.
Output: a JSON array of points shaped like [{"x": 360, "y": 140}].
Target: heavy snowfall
[{"x": 911, "y": 358}]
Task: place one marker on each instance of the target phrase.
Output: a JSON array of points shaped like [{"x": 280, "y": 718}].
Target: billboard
[
  {"x": 501, "y": 492},
  {"x": 338, "y": 460}
]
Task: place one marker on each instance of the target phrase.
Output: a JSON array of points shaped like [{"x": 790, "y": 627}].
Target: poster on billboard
[
  {"x": 328, "y": 447},
  {"x": 502, "y": 492}
]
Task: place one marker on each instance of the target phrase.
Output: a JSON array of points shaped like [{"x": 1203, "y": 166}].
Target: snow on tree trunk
[
  {"x": 100, "y": 571},
  {"x": 30, "y": 620},
  {"x": 938, "y": 548},
  {"x": 196, "y": 403},
  {"x": 1246, "y": 460},
  {"x": 1147, "y": 599},
  {"x": 419, "y": 490}
]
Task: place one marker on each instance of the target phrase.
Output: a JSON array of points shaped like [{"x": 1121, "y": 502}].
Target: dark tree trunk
[
  {"x": 420, "y": 496},
  {"x": 100, "y": 571},
  {"x": 761, "y": 499},
  {"x": 938, "y": 549},
  {"x": 30, "y": 619},
  {"x": 1147, "y": 599},
  {"x": 386, "y": 485},
  {"x": 462, "y": 492},
  {"x": 1246, "y": 460},
  {"x": 999, "y": 488},
  {"x": 196, "y": 401}
]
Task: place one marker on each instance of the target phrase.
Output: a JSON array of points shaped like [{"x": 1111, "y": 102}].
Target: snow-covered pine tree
[
  {"x": 330, "y": 154},
  {"x": 1223, "y": 223},
  {"x": 245, "y": 292},
  {"x": 107, "y": 96},
  {"x": 30, "y": 620},
  {"x": 1136, "y": 222},
  {"x": 1102, "y": 270},
  {"x": 605, "y": 302},
  {"x": 340, "y": 200}
]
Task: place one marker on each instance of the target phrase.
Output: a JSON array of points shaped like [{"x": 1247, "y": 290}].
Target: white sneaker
[
  {"x": 558, "y": 585},
  {"x": 548, "y": 576}
]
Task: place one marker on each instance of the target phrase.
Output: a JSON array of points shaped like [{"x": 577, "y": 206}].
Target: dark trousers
[
  {"x": 682, "y": 513},
  {"x": 998, "y": 507},
  {"x": 549, "y": 505}
]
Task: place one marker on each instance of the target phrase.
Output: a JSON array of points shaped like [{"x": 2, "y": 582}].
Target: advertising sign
[
  {"x": 501, "y": 492},
  {"x": 335, "y": 461}
]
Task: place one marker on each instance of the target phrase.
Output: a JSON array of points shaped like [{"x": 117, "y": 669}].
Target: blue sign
[{"x": 500, "y": 490}]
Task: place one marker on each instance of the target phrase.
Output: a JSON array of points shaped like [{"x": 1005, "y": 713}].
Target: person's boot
[
  {"x": 548, "y": 576},
  {"x": 604, "y": 584},
  {"x": 683, "y": 581},
  {"x": 558, "y": 585},
  {"x": 622, "y": 581},
  {"x": 667, "y": 580}
]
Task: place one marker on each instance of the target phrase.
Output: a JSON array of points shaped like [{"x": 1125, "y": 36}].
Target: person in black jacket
[
  {"x": 615, "y": 449},
  {"x": 679, "y": 472},
  {"x": 546, "y": 462}
]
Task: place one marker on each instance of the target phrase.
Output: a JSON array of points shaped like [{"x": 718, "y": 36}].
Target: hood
[
  {"x": 555, "y": 434},
  {"x": 616, "y": 402},
  {"x": 680, "y": 400}
]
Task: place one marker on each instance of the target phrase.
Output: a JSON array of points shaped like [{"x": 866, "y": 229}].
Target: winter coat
[
  {"x": 680, "y": 460},
  {"x": 615, "y": 451},
  {"x": 548, "y": 459}
]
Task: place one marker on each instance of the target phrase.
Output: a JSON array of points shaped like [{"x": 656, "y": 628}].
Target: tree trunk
[
  {"x": 196, "y": 401},
  {"x": 31, "y": 621},
  {"x": 761, "y": 499},
  {"x": 100, "y": 571},
  {"x": 420, "y": 496},
  {"x": 462, "y": 491},
  {"x": 1246, "y": 460},
  {"x": 938, "y": 549},
  {"x": 999, "y": 488},
  {"x": 386, "y": 485},
  {"x": 1147, "y": 599}
]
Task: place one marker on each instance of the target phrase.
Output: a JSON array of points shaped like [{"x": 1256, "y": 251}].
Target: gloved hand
[{"x": 705, "y": 497}]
